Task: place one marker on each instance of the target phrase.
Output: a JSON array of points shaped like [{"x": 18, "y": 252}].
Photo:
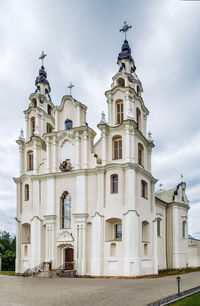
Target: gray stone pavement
[{"x": 79, "y": 291}]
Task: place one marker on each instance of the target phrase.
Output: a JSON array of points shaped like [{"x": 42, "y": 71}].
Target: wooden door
[{"x": 69, "y": 258}]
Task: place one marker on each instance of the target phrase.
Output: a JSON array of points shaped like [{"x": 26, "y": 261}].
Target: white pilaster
[
  {"x": 55, "y": 155},
  {"x": 97, "y": 246},
  {"x": 21, "y": 158},
  {"x": 104, "y": 146},
  {"x": 18, "y": 266},
  {"x": 155, "y": 247},
  {"x": 130, "y": 236},
  {"x": 48, "y": 150},
  {"x": 36, "y": 257},
  {"x": 130, "y": 188},
  {"x": 77, "y": 139},
  {"x": 35, "y": 157},
  {"x": 85, "y": 149},
  {"x": 110, "y": 112},
  {"x": 101, "y": 190},
  {"x": 27, "y": 128},
  {"x": 127, "y": 145}
]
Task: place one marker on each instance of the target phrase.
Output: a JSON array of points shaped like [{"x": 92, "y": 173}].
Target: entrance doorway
[{"x": 69, "y": 259}]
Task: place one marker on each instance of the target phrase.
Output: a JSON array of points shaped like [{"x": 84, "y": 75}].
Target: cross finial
[
  {"x": 160, "y": 185},
  {"x": 125, "y": 28},
  {"x": 70, "y": 87},
  {"x": 42, "y": 57},
  {"x": 181, "y": 176}
]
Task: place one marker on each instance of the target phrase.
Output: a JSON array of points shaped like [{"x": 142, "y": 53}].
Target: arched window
[
  {"x": 144, "y": 191},
  {"x": 183, "y": 195},
  {"x": 49, "y": 128},
  {"x": 32, "y": 126},
  {"x": 140, "y": 154},
  {"x": 113, "y": 249},
  {"x": 145, "y": 231},
  {"x": 114, "y": 183},
  {"x": 34, "y": 102},
  {"x": 66, "y": 210},
  {"x": 138, "y": 115},
  {"x": 158, "y": 227},
  {"x": 49, "y": 108},
  {"x": 184, "y": 229},
  {"x": 119, "y": 111},
  {"x": 121, "y": 82},
  {"x": 26, "y": 191},
  {"x": 117, "y": 147},
  {"x": 30, "y": 160}
]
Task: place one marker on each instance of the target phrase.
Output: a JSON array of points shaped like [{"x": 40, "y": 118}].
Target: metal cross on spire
[
  {"x": 125, "y": 28},
  {"x": 181, "y": 176},
  {"x": 160, "y": 185},
  {"x": 70, "y": 87},
  {"x": 42, "y": 57}
]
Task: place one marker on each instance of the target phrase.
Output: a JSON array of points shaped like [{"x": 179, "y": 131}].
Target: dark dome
[
  {"x": 126, "y": 52},
  {"x": 42, "y": 77}
]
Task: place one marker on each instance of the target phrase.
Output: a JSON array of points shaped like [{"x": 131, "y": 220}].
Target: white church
[{"x": 88, "y": 205}]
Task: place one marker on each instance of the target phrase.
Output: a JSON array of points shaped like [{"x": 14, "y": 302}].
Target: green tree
[{"x": 7, "y": 251}]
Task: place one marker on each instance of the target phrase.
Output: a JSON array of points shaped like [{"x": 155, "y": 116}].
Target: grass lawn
[
  {"x": 193, "y": 300},
  {"x": 7, "y": 272}
]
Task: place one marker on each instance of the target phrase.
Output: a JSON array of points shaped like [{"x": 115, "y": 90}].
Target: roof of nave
[{"x": 165, "y": 195}]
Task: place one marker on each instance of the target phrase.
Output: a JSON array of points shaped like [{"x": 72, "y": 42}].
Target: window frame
[
  {"x": 138, "y": 118},
  {"x": 184, "y": 229},
  {"x": 32, "y": 126},
  {"x": 158, "y": 227},
  {"x": 114, "y": 185},
  {"x": 26, "y": 192},
  {"x": 30, "y": 160},
  {"x": 144, "y": 189},
  {"x": 63, "y": 217},
  {"x": 115, "y": 232},
  {"x": 117, "y": 147},
  {"x": 119, "y": 113},
  {"x": 140, "y": 154}
]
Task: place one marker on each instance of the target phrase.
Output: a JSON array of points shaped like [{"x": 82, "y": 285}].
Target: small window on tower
[
  {"x": 26, "y": 192},
  {"x": 140, "y": 154},
  {"x": 49, "y": 108},
  {"x": 117, "y": 147},
  {"x": 34, "y": 102},
  {"x": 114, "y": 183},
  {"x": 32, "y": 126},
  {"x": 49, "y": 128},
  {"x": 144, "y": 192},
  {"x": 119, "y": 111},
  {"x": 30, "y": 160},
  {"x": 138, "y": 114},
  {"x": 121, "y": 82}
]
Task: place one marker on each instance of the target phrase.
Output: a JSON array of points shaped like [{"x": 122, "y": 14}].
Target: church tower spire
[{"x": 43, "y": 86}]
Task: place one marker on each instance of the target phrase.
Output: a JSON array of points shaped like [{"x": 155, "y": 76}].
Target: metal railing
[
  {"x": 44, "y": 266},
  {"x": 67, "y": 266}
]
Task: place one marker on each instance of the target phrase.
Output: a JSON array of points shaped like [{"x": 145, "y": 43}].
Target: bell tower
[{"x": 40, "y": 116}]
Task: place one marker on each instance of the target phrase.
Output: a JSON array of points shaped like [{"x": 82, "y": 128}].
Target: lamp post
[{"x": 178, "y": 281}]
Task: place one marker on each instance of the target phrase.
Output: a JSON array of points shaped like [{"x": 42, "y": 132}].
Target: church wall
[{"x": 193, "y": 252}]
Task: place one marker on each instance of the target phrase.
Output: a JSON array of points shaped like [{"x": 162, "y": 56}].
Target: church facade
[{"x": 92, "y": 205}]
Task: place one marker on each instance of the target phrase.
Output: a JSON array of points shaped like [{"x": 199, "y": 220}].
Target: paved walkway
[{"x": 110, "y": 292}]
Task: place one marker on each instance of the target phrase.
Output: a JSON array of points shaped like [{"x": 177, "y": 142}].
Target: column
[
  {"x": 56, "y": 120},
  {"x": 85, "y": 149},
  {"x": 100, "y": 191},
  {"x": 145, "y": 125},
  {"x": 104, "y": 146},
  {"x": 97, "y": 261},
  {"x": 126, "y": 105},
  {"x": 37, "y": 125},
  {"x": 84, "y": 248},
  {"x": 155, "y": 247},
  {"x": 77, "y": 139},
  {"x": 27, "y": 128},
  {"x": 48, "y": 150},
  {"x": 44, "y": 129},
  {"x": 130, "y": 236},
  {"x": 132, "y": 146},
  {"x": 78, "y": 115},
  {"x": 21, "y": 158},
  {"x": 18, "y": 267},
  {"x": 127, "y": 145},
  {"x": 36, "y": 257},
  {"x": 55, "y": 154},
  {"x": 35, "y": 157},
  {"x": 149, "y": 159},
  {"x": 110, "y": 105},
  {"x": 130, "y": 188}
]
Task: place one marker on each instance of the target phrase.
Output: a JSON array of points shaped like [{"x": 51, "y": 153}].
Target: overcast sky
[{"x": 82, "y": 40}]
